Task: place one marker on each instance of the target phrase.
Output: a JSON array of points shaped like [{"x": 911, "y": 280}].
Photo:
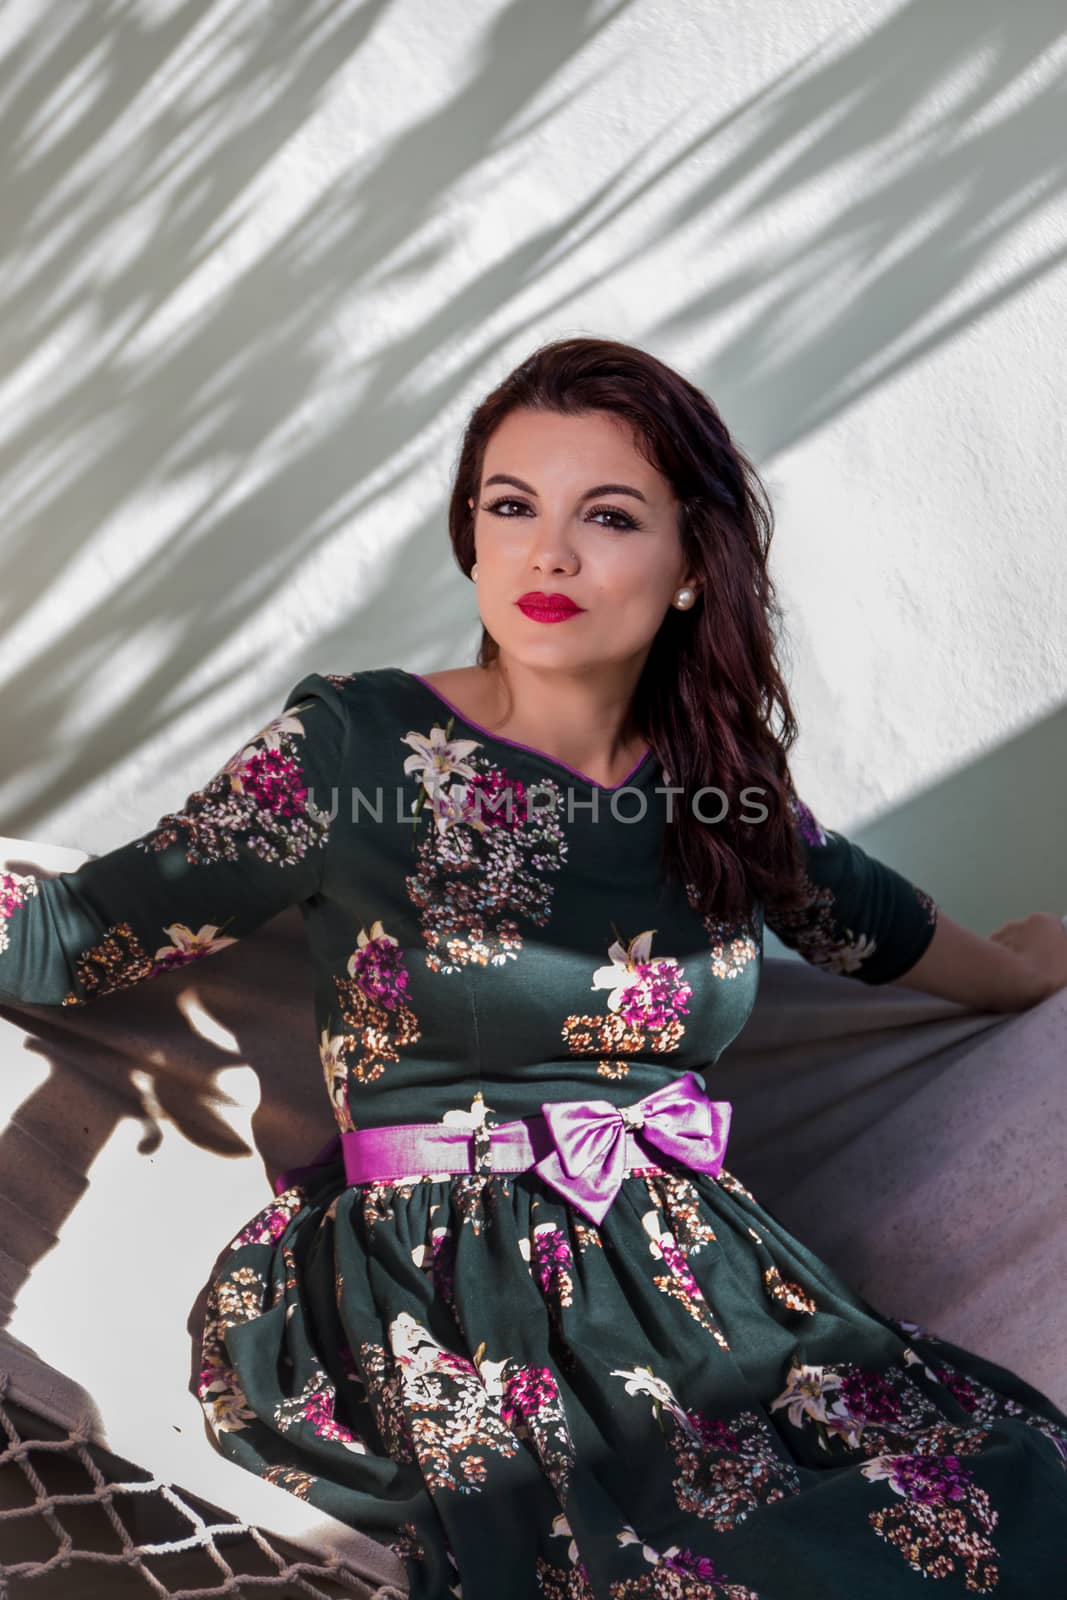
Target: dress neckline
[{"x": 542, "y": 755}]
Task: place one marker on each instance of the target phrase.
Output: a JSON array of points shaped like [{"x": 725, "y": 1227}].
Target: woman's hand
[{"x": 1040, "y": 940}]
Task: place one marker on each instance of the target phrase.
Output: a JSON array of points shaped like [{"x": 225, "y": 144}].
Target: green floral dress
[{"x": 680, "y": 1401}]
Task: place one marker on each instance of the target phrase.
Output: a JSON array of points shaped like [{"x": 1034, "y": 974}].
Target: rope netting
[{"x": 76, "y": 1521}]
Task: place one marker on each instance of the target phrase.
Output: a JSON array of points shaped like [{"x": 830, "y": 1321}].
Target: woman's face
[{"x": 546, "y": 521}]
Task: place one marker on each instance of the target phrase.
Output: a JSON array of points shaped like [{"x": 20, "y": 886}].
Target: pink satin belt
[{"x": 583, "y": 1149}]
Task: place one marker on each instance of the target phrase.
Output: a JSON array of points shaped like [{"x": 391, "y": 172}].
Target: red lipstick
[{"x": 547, "y": 607}]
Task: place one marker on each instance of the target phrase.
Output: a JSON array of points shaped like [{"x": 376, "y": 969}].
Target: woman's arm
[
  {"x": 1014, "y": 968},
  {"x": 861, "y": 919},
  {"x": 249, "y": 843}
]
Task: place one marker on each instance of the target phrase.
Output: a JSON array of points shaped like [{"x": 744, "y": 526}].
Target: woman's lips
[{"x": 547, "y": 613}]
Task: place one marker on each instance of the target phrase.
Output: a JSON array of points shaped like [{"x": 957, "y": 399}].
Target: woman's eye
[
  {"x": 495, "y": 505},
  {"x": 625, "y": 520},
  {"x": 613, "y": 511}
]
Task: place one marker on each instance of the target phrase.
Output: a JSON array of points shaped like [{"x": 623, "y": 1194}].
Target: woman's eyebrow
[{"x": 590, "y": 494}]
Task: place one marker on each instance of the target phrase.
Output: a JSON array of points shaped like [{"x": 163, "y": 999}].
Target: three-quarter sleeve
[
  {"x": 251, "y": 842},
  {"x": 862, "y": 918}
]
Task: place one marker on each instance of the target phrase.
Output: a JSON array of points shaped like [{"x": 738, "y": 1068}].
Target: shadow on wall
[{"x": 147, "y": 188}]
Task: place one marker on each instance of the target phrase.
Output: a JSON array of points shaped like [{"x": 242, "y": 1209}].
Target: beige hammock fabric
[{"x": 917, "y": 1146}]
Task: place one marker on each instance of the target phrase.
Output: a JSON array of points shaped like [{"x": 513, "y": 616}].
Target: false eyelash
[{"x": 631, "y": 522}]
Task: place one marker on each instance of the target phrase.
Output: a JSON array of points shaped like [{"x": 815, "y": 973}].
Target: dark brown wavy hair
[{"x": 711, "y": 690}]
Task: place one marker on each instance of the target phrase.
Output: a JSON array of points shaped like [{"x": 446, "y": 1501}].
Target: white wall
[{"x": 260, "y": 259}]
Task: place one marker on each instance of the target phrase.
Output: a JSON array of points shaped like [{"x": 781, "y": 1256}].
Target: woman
[{"x": 519, "y": 1321}]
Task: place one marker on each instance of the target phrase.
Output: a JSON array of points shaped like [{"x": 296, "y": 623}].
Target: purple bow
[{"x": 589, "y": 1160}]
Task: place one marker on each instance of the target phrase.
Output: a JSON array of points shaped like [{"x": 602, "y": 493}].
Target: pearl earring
[
  {"x": 684, "y": 598},
  {"x": 474, "y": 573}
]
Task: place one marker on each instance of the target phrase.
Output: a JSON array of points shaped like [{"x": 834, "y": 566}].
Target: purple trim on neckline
[{"x": 609, "y": 788}]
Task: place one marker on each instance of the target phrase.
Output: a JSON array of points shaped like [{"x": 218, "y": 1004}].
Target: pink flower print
[
  {"x": 373, "y": 1001},
  {"x": 377, "y": 966},
  {"x": 552, "y": 1257},
  {"x": 928, "y": 1479},
  {"x": 497, "y": 800},
  {"x": 810, "y": 829},
  {"x": 678, "y": 1281},
  {"x": 186, "y": 946},
  {"x": 272, "y": 781},
  {"x": 15, "y": 890},
  {"x": 959, "y": 1386},
  {"x": 273, "y": 738},
  {"x": 348, "y": 1366},
  {"x": 689, "y": 1565},
  {"x": 679, "y": 1266},
  {"x": 315, "y": 1405},
  {"x": 257, "y": 801},
  {"x": 264, "y": 771},
  {"x": 867, "y": 1397},
  {"x": 713, "y": 1433},
  {"x": 444, "y": 1263},
  {"x": 270, "y": 1223},
  {"x": 527, "y": 1391},
  {"x": 646, "y": 992},
  {"x": 318, "y": 1410}
]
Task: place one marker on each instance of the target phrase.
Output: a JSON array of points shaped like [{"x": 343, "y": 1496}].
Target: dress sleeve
[
  {"x": 862, "y": 919},
  {"x": 248, "y": 844}
]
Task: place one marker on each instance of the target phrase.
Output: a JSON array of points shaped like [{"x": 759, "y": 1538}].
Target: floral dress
[{"x": 680, "y": 1400}]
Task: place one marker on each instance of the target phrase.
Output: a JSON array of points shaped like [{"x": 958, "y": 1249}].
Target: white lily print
[
  {"x": 272, "y": 735},
  {"x": 452, "y": 807},
  {"x": 438, "y": 759},
  {"x": 490, "y": 1373},
  {"x": 474, "y": 1118},
  {"x": 419, "y": 1357},
  {"x": 911, "y": 1359},
  {"x": 879, "y": 1467},
  {"x": 188, "y": 945},
  {"x": 839, "y": 1421},
  {"x": 561, "y": 1529},
  {"x": 628, "y": 1536},
  {"x": 623, "y": 972},
  {"x": 335, "y": 1071},
  {"x": 847, "y": 957},
  {"x": 422, "y": 1254},
  {"x": 642, "y": 1380},
  {"x": 623, "y": 969},
  {"x": 225, "y": 1403},
  {"x": 660, "y": 1238},
  {"x": 804, "y": 1394}
]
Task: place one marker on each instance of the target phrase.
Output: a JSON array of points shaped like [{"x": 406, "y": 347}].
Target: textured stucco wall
[{"x": 261, "y": 258}]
